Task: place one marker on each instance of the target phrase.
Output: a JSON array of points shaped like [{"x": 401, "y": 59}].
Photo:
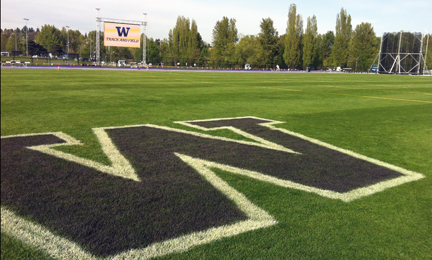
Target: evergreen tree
[
  {"x": 340, "y": 49},
  {"x": 363, "y": 47},
  {"x": 326, "y": 47},
  {"x": 268, "y": 40},
  {"x": 153, "y": 54},
  {"x": 36, "y": 49},
  {"x": 293, "y": 51}
]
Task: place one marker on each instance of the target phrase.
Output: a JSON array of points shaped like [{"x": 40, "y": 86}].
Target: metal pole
[
  {"x": 421, "y": 54},
  {"x": 399, "y": 49},
  {"x": 98, "y": 20},
  {"x": 426, "y": 53},
  {"x": 26, "y": 19},
  {"x": 145, "y": 40},
  {"x": 67, "y": 33},
  {"x": 379, "y": 55}
]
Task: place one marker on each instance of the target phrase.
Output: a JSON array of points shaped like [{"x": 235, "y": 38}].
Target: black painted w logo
[
  {"x": 161, "y": 194},
  {"x": 123, "y": 32}
]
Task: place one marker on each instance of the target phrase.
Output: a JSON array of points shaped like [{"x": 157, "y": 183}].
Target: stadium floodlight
[
  {"x": 401, "y": 53},
  {"x": 145, "y": 40},
  {"x": 26, "y": 19},
  {"x": 98, "y": 20},
  {"x": 67, "y": 33}
]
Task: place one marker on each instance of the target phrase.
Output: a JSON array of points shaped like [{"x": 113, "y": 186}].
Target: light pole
[
  {"x": 144, "y": 40},
  {"x": 26, "y": 19},
  {"x": 67, "y": 33}
]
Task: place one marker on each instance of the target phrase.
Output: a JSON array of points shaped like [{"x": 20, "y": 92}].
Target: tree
[
  {"x": 195, "y": 43},
  {"x": 8, "y": 32},
  {"x": 268, "y": 40},
  {"x": 13, "y": 43},
  {"x": 36, "y": 49},
  {"x": 75, "y": 39},
  {"x": 4, "y": 41},
  {"x": 49, "y": 37},
  {"x": 58, "y": 50},
  {"x": 87, "y": 47},
  {"x": 427, "y": 50},
  {"x": 184, "y": 41},
  {"x": 247, "y": 50},
  {"x": 325, "y": 48},
  {"x": 292, "y": 55},
  {"x": 342, "y": 39},
  {"x": 363, "y": 47},
  {"x": 224, "y": 40},
  {"x": 164, "y": 49},
  {"x": 309, "y": 42},
  {"x": 152, "y": 51}
]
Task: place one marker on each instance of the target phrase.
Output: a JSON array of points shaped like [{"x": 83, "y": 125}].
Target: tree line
[{"x": 297, "y": 48}]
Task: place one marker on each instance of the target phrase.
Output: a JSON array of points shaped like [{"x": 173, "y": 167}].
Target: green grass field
[{"x": 385, "y": 117}]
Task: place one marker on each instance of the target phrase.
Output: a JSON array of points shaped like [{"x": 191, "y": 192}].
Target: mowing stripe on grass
[{"x": 341, "y": 94}]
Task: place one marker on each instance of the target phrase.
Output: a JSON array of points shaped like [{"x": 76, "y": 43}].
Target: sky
[{"x": 384, "y": 15}]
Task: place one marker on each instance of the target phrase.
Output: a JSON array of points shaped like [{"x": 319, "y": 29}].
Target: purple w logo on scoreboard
[{"x": 123, "y": 32}]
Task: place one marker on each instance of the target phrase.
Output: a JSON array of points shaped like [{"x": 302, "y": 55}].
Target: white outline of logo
[{"x": 40, "y": 237}]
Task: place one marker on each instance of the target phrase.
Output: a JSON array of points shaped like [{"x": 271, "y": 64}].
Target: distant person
[{"x": 277, "y": 67}]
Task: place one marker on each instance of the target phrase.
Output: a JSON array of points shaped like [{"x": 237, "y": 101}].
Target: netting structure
[{"x": 401, "y": 53}]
